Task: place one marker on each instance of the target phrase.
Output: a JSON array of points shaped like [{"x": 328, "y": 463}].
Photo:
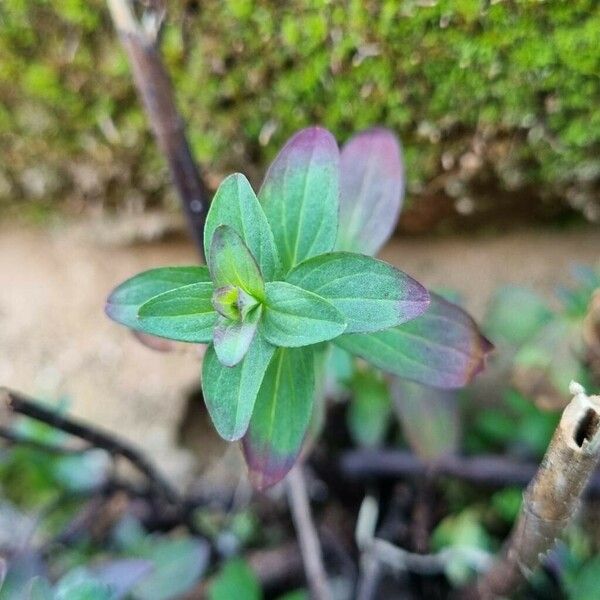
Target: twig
[
  {"x": 377, "y": 553},
  {"x": 307, "y": 535},
  {"x": 12, "y": 437},
  {"x": 490, "y": 470},
  {"x": 20, "y": 404},
  {"x": 154, "y": 87},
  {"x": 552, "y": 498}
]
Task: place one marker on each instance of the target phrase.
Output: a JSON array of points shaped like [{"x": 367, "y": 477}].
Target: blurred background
[{"x": 497, "y": 103}]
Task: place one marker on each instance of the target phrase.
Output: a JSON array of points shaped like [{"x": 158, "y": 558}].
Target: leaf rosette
[{"x": 289, "y": 269}]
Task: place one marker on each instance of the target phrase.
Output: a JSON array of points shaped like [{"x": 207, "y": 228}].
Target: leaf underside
[
  {"x": 232, "y": 339},
  {"x": 442, "y": 348},
  {"x": 281, "y": 416}
]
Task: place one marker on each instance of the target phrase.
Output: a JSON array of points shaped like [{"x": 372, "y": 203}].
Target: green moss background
[{"x": 497, "y": 103}]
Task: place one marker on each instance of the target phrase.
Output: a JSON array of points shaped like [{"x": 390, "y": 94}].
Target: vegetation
[
  {"x": 496, "y": 102},
  {"x": 283, "y": 277}
]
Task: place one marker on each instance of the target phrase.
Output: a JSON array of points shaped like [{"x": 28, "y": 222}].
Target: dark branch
[
  {"x": 154, "y": 87},
  {"x": 20, "y": 404},
  {"x": 493, "y": 471}
]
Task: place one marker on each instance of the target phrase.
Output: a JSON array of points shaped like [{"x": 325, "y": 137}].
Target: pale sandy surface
[{"x": 55, "y": 340}]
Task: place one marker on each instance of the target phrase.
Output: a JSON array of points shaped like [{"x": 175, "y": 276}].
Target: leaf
[
  {"x": 443, "y": 347},
  {"x": 178, "y": 565},
  {"x": 281, "y": 416},
  {"x": 429, "y": 417},
  {"x": 122, "y": 575},
  {"x": 185, "y": 314},
  {"x": 80, "y": 584},
  {"x": 125, "y": 300},
  {"x": 371, "y": 190},
  {"x": 39, "y": 589},
  {"x": 230, "y": 392},
  {"x": 300, "y": 196},
  {"x": 515, "y": 315},
  {"x": 235, "y": 580},
  {"x": 233, "y": 338},
  {"x": 546, "y": 364},
  {"x": 235, "y": 204},
  {"x": 294, "y": 317},
  {"x": 371, "y": 294},
  {"x": 369, "y": 409},
  {"x": 231, "y": 263}
]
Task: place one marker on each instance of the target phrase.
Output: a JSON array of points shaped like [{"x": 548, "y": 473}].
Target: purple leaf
[
  {"x": 442, "y": 348},
  {"x": 371, "y": 190},
  {"x": 429, "y": 417}
]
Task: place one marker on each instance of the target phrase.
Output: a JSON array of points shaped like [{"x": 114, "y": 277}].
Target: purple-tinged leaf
[
  {"x": 232, "y": 264},
  {"x": 122, "y": 575},
  {"x": 430, "y": 418},
  {"x": 233, "y": 338},
  {"x": 300, "y": 196},
  {"x": 369, "y": 411},
  {"x": 443, "y": 347},
  {"x": 159, "y": 344},
  {"x": 281, "y": 416},
  {"x": 371, "y": 294},
  {"x": 371, "y": 190}
]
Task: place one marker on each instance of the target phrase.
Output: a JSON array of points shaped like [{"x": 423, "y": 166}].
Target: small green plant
[{"x": 288, "y": 271}]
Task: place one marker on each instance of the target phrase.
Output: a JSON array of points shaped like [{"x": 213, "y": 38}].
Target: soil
[{"x": 56, "y": 342}]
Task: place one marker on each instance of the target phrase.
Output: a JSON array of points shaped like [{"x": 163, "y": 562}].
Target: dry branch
[
  {"x": 552, "y": 498},
  {"x": 155, "y": 90}
]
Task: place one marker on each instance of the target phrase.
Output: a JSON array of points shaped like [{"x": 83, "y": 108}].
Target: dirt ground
[{"x": 55, "y": 341}]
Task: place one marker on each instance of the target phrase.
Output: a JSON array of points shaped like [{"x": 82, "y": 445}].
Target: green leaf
[
  {"x": 178, "y": 565},
  {"x": 369, "y": 409},
  {"x": 515, "y": 314},
  {"x": 371, "y": 190},
  {"x": 231, "y": 263},
  {"x": 294, "y": 317},
  {"x": 79, "y": 584},
  {"x": 371, "y": 294},
  {"x": 233, "y": 338},
  {"x": 235, "y": 204},
  {"x": 235, "y": 580},
  {"x": 300, "y": 196},
  {"x": 184, "y": 314},
  {"x": 442, "y": 347},
  {"x": 281, "y": 416},
  {"x": 125, "y": 300},
  {"x": 230, "y": 392},
  {"x": 430, "y": 418}
]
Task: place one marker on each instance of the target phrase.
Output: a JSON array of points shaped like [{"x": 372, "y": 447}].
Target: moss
[{"x": 490, "y": 99}]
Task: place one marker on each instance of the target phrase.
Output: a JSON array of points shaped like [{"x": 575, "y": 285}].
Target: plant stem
[
  {"x": 155, "y": 90},
  {"x": 307, "y": 534},
  {"x": 552, "y": 498}
]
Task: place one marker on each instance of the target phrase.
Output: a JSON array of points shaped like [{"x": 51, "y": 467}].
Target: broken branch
[{"x": 552, "y": 498}]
